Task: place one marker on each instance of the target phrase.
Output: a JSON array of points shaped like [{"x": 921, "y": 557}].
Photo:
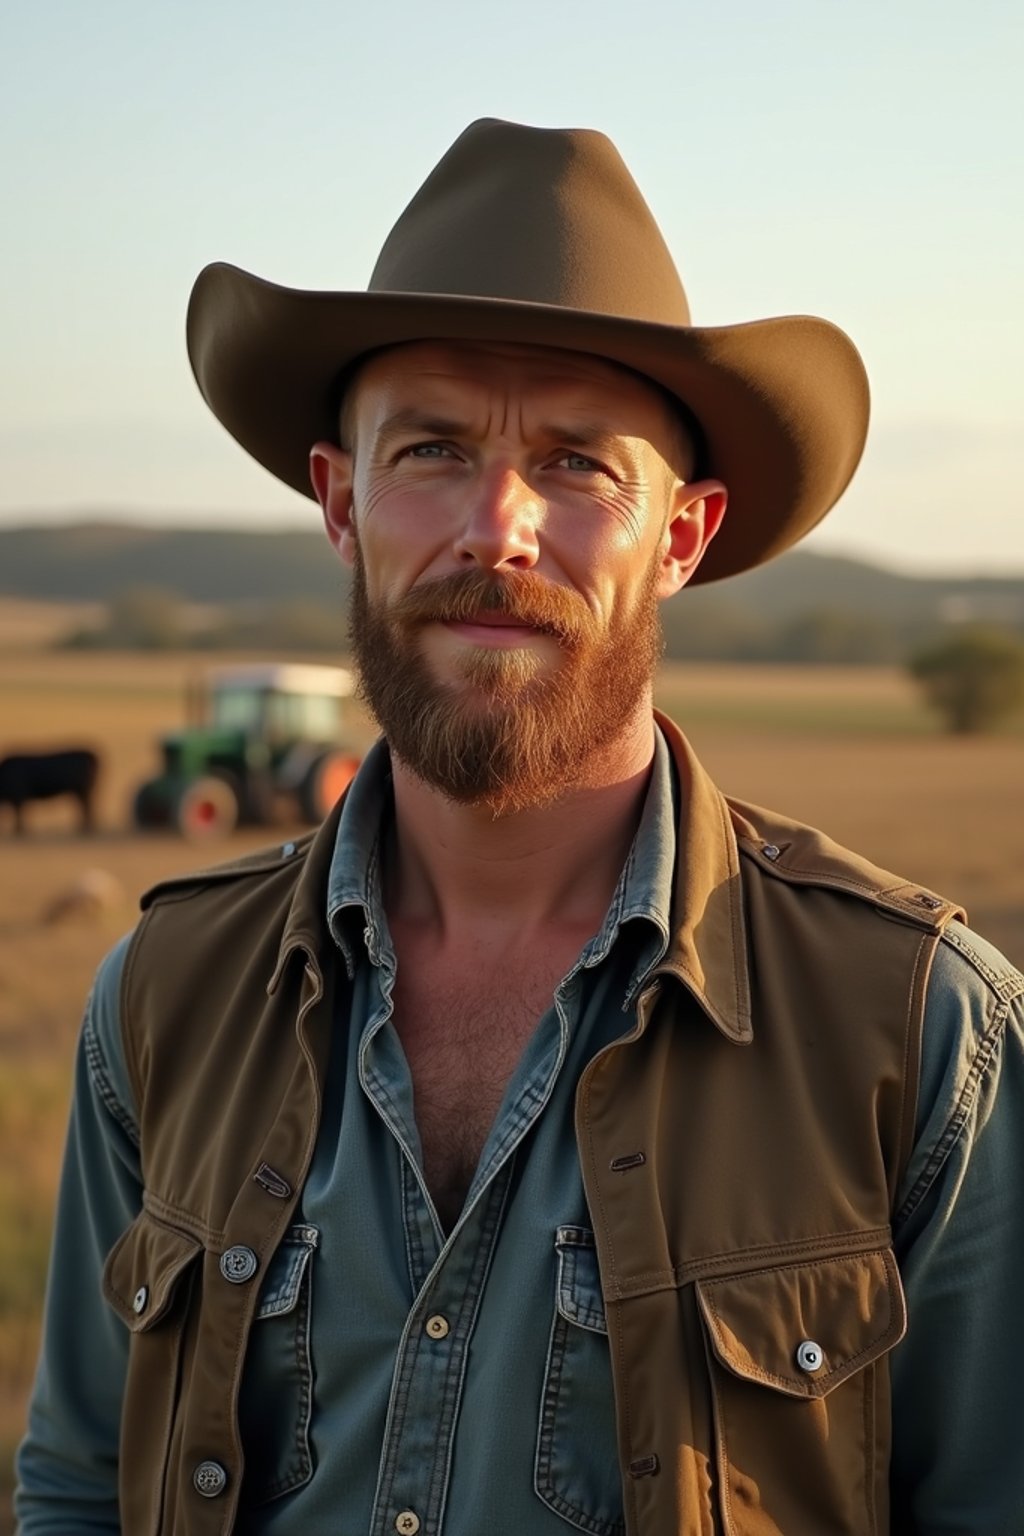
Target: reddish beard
[{"x": 515, "y": 733}]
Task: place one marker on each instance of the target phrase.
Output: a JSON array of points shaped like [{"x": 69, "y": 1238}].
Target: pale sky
[{"x": 862, "y": 162}]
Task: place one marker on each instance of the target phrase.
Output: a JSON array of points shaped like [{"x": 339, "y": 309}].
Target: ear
[
  {"x": 330, "y": 470},
  {"x": 695, "y": 515}
]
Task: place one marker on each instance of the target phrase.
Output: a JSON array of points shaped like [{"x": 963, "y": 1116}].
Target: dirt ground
[{"x": 849, "y": 750}]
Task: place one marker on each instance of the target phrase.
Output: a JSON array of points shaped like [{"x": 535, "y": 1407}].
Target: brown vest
[{"x": 740, "y": 1153}]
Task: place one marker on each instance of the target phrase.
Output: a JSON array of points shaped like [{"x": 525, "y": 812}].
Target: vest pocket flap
[
  {"x": 804, "y": 1328},
  {"x": 143, "y": 1268}
]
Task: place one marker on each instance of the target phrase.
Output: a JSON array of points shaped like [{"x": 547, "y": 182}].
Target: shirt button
[
  {"x": 810, "y": 1357},
  {"x": 238, "y": 1264},
  {"x": 407, "y": 1523},
  {"x": 209, "y": 1479},
  {"x": 140, "y": 1300},
  {"x": 437, "y": 1326}
]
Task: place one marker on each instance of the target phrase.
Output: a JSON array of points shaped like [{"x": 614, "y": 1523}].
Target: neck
[{"x": 458, "y": 869}]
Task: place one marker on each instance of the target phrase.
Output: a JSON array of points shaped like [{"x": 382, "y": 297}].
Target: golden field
[{"x": 849, "y": 750}]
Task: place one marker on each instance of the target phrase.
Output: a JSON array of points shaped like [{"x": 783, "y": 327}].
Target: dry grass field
[{"x": 851, "y": 751}]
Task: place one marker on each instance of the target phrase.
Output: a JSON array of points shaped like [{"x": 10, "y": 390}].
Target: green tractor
[{"x": 262, "y": 740}]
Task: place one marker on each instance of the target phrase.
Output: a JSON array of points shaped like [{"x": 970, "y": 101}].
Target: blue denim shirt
[{"x": 466, "y": 1380}]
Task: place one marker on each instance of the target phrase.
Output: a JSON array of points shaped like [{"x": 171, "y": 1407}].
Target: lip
[{"x": 487, "y": 629}]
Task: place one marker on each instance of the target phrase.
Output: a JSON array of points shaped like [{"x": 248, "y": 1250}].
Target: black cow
[{"x": 44, "y": 775}]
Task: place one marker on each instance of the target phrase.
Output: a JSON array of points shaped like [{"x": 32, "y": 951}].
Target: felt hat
[{"x": 542, "y": 236}]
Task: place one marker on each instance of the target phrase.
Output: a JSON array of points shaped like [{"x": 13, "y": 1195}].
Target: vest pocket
[
  {"x": 147, "y": 1280},
  {"x": 276, "y": 1395},
  {"x": 800, "y": 1391},
  {"x": 576, "y": 1471}
]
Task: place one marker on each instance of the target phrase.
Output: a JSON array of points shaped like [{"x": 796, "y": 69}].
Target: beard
[{"x": 512, "y": 732}]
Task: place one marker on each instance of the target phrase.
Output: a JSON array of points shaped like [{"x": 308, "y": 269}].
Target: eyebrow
[
  {"x": 411, "y": 419},
  {"x": 588, "y": 435}
]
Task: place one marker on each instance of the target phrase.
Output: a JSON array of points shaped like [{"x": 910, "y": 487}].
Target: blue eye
[
  {"x": 580, "y": 462},
  {"x": 428, "y": 450}
]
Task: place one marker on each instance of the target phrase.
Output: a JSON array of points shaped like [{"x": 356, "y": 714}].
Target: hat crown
[
  {"x": 539, "y": 216},
  {"x": 541, "y": 237}
]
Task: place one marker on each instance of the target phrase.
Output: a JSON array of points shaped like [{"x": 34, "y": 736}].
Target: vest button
[
  {"x": 437, "y": 1326},
  {"x": 140, "y": 1300},
  {"x": 810, "y": 1357},
  {"x": 209, "y": 1479},
  {"x": 407, "y": 1523},
  {"x": 238, "y": 1264}
]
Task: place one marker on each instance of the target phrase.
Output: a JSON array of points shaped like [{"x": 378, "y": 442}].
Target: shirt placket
[
  {"x": 447, "y": 1280},
  {"x": 427, "y": 1385}
]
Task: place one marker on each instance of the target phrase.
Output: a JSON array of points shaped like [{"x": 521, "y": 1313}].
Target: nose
[{"x": 500, "y": 526}]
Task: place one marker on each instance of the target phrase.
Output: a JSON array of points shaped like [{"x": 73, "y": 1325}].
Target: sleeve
[
  {"x": 958, "y": 1423},
  {"x": 67, "y": 1463}
]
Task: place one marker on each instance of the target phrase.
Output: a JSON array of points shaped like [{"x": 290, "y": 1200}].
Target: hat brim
[{"x": 782, "y": 403}]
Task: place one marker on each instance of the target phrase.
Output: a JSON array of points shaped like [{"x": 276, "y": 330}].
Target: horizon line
[{"x": 279, "y": 524}]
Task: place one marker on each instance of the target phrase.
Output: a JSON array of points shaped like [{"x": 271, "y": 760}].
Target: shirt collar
[
  {"x": 355, "y": 910},
  {"x": 707, "y": 944},
  {"x": 643, "y": 894},
  {"x": 355, "y": 897}
]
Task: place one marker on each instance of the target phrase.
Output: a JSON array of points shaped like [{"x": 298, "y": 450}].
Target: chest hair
[{"x": 463, "y": 1035}]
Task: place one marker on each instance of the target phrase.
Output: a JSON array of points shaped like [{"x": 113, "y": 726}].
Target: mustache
[{"x": 521, "y": 596}]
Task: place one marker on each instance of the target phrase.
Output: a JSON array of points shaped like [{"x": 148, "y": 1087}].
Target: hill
[
  {"x": 804, "y": 606},
  {"x": 94, "y": 562}
]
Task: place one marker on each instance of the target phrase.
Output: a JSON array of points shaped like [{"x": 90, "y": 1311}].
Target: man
[{"x": 547, "y": 1143}]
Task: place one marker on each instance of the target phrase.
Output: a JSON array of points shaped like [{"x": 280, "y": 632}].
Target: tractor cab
[
  {"x": 284, "y": 703},
  {"x": 258, "y": 734}
]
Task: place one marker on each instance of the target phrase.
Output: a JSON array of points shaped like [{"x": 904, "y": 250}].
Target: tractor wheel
[
  {"x": 328, "y": 778},
  {"x": 150, "y": 808},
  {"x": 206, "y": 809}
]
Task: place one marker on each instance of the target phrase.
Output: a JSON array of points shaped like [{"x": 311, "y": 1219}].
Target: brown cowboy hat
[{"x": 541, "y": 235}]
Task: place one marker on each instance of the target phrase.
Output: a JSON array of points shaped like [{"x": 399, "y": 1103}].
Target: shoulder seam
[
  {"x": 128, "y": 1042},
  {"x": 100, "y": 1078},
  {"x": 987, "y": 1045},
  {"x": 1006, "y": 985},
  {"x": 922, "y": 908}
]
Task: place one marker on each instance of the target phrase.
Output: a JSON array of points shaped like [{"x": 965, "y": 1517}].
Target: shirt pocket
[
  {"x": 147, "y": 1280},
  {"x": 576, "y": 1471},
  {"x": 276, "y": 1396},
  {"x": 800, "y": 1389}
]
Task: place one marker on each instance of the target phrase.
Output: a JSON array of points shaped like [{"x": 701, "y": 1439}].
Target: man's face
[{"x": 510, "y": 515}]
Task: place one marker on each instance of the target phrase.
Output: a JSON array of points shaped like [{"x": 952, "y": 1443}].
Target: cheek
[
  {"x": 397, "y": 533},
  {"x": 617, "y": 531},
  {"x": 402, "y": 505},
  {"x": 611, "y": 567},
  {"x": 634, "y": 587},
  {"x": 376, "y": 506}
]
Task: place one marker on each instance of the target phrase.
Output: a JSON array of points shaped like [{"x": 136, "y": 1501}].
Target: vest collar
[
  {"x": 707, "y": 949},
  {"x": 306, "y": 925}
]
